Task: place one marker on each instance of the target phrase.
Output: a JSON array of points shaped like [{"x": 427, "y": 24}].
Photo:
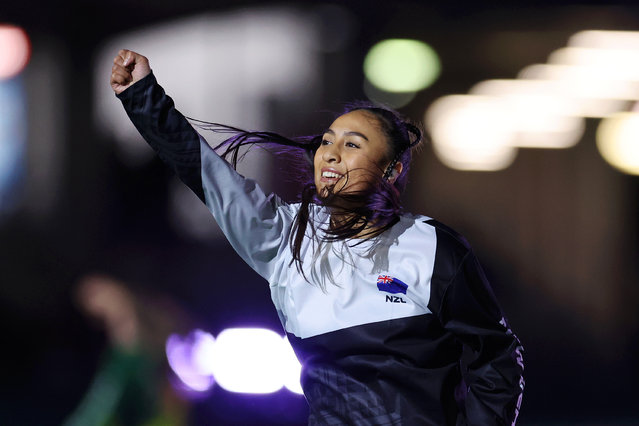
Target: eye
[
  {"x": 326, "y": 142},
  {"x": 352, "y": 145}
]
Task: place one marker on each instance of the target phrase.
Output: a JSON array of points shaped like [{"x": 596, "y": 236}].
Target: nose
[{"x": 331, "y": 154}]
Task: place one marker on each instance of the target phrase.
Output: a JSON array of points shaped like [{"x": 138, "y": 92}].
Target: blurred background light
[
  {"x": 392, "y": 99},
  {"x": 15, "y": 50},
  {"x": 187, "y": 363},
  {"x": 541, "y": 117},
  {"x": 242, "y": 360},
  {"x": 13, "y": 133},
  {"x": 237, "y": 62},
  {"x": 401, "y": 65},
  {"x": 249, "y": 360},
  {"x": 471, "y": 132},
  {"x": 605, "y": 39},
  {"x": 292, "y": 369},
  {"x": 585, "y": 81},
  {"x": 618, "y": 141},
  {"x": 609, "y": 62},
  {"x": 596, "y": 76},
  {"x": 241, "y": 64}
]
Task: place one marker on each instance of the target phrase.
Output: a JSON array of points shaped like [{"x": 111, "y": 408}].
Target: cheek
[
  {"x": 362, "y": 164},
  {"x": 316, "y": 160},
  {"x": 317, "y": 169}
]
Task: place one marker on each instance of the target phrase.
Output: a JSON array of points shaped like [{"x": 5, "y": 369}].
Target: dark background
[{"x": 557, "y": 231}]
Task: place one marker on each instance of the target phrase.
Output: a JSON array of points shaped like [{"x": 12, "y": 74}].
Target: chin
[{"x": 323, "y": 191}]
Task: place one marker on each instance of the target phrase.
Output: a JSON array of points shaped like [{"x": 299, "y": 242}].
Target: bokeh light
[
  {"x": 185, "y": 361},
  {"x": 618, "y": 141},
  {"x": 586, "y": 81},
  {"x": 242, "y": 360},
  {"x": 15, "y": 50},
  {"x": 248, "y": 360},
  {"x": 13, "y": 133},
  {"x": 605, "y": 39},
  {"x": 595, "y": 76},
  {"x": 471, "y": 132},
  {"x": 292, "y": 369},
  {"x": 541, "y": 116},
  {"x": 401, "y": 65}
]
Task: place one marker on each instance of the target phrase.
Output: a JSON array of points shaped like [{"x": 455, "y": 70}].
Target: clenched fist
[{"x": 128, "y": 67}]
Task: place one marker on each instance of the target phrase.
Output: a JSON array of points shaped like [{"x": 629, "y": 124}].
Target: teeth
[{"x": 331, "y": 175}]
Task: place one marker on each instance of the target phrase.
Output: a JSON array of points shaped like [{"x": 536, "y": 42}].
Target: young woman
[{"x": 378, "y": 304}]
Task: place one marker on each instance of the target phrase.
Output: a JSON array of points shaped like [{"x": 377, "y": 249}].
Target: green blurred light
[{"x": 401, "y": 65}]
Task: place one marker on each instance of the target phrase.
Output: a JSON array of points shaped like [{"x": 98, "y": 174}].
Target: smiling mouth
[{"x": 331, "y": 175}]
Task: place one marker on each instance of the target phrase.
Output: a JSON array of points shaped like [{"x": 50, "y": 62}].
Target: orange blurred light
[{"x": 15, "y": 50}]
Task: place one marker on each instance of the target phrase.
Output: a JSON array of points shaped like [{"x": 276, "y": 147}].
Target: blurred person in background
[
  {"x": 389, "y": 313},
  {"x": 131, "y": 385}
]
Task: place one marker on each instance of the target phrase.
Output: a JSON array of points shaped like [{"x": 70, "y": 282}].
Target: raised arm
[
  {"x": 255, "y": 224},
  {"x": 154, "y": 115}
]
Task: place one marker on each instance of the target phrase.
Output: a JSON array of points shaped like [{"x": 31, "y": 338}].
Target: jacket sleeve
[
  {"x": 165, "y": 129},
  {"x": 494, "y": 378},
  {"x": 255, "y": 224}
]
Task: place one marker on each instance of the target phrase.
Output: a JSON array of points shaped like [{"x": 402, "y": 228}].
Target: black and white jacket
[{"x": 380, "y": 327}]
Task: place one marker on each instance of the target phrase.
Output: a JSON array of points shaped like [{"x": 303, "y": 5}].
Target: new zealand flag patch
[{"x": 391, "y": 285}]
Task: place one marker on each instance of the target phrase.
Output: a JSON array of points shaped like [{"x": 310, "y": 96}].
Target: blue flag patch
[{"x": 391, "y": 285}]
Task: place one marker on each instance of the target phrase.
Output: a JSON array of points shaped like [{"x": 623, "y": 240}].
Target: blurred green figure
[{"x": 130, "y": 386}]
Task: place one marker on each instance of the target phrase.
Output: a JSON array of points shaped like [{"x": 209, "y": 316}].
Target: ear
[{"x": 397, "y": 170}]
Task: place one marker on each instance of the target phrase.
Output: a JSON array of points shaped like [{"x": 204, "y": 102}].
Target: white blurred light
[
  {"x": 223, "y": 68},
  {"x": 541, "y": 117},
  {"x": 605, "y": 39},
  {"x": 203, "y": 351},
  {"x": 249, "y": 360},
  {"x": 609, "y": 63},
  {"x": 227, "y": 68},
  {"x": 15, "y": 50},
  {"x": 585, "y": 81},
  {"x": 401, "y": 65},
  {"x": 471, "y": 132},
  {"x": 292, "y": 369},
  {"x": 618, "y": 141},
  {"x": 246, "y": 360},
  {"x": 597, "y": 75}
]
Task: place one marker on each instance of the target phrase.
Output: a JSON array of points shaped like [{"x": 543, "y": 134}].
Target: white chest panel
[{"x": 350, "y": 276}]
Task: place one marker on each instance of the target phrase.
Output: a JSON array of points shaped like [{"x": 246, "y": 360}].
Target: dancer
[{"x": 377, "y": 303}]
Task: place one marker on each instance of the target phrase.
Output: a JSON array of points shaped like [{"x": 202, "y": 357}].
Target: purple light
[
  {"x": 185, "y": 358},
  {"x": 243, "y": 360}
]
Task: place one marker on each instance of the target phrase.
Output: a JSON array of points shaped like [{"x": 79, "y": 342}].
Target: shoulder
[
  {"x": 447, "y": 238},
  {"x": 452, "y": 251},
  {"x": 451, "y": 248}
]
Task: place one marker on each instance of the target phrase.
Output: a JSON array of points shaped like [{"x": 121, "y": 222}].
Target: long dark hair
[{"x": 361, "y": 214}]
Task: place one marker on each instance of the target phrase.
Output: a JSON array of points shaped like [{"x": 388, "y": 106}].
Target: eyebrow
[{"x": 330, "y": 131}]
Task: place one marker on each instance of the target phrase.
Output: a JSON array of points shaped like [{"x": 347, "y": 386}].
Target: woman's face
[{"x": 354, "y": 144}]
